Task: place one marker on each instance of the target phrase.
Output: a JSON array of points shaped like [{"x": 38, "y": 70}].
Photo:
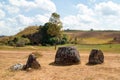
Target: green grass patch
[{"x": 112, "y": 48}]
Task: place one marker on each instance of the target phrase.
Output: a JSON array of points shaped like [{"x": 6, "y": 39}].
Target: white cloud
[
  {"x": 26, "y": 21},
  {"x": 46, "y": 5},
  {"x": 104, "y": 15},
  {"x": 15, "y": 15},
  {"x": 92, "y": 1},
  {"x": 83, "y": 20},
  {"x": 3, "y": 28},
  {"x": 70, "y": 21},
  {"x": 13, "y": 25},
  {"x": 1, "y": 5},
  {"x": 108, "y": 8},
  {"x": 41, "y": 19},
  {"x": 12, "y": 9},
  {"x": 23, "y": 20},
  {"x": 22, "y": 3},
  {"x": 9, "y": 9},
  {"x": 84, "y": 10},
  {"x": 2, "y": 23},
  {"x": 2, "y": 14}
]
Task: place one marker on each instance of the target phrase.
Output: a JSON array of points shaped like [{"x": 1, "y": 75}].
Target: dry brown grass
[
  {"x": 110, "y": 70},
  {"x": 93, "y": 37}
]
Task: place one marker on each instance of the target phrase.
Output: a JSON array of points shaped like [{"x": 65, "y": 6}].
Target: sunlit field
[
  {"x": 109, "y": 70},
  {"x": 111, "y": 48}
]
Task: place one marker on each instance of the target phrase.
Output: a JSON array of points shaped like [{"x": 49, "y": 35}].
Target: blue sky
[{"x": 15, "y": 15}]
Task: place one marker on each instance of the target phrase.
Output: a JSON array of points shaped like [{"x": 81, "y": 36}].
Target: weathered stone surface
[
  {"x": 67, "y": 55},
  {"x": 32, "y": 63},
  {"x": 96, "y": 57},
  {"x": 16, "y": 67}
]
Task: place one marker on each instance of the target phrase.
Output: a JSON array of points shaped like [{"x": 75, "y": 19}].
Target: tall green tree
[
  {"x": 50, "y": 33},
  {"x": 51, "y": 30},
  {"x": 55, "y": 19}
]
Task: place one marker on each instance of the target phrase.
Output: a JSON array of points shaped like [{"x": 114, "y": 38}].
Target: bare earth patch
[{"x": 109, "y": 70}]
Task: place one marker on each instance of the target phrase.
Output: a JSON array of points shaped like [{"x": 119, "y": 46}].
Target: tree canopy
[
  {"x": 55, "y": 19},
  {"x": 51, "y": 31}
]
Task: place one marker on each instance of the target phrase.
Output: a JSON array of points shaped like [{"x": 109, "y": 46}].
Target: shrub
[
  {"x": 64, "y": 39},
  {"x": 11, "y": 43},
  {"x": 21, "y": 42}
]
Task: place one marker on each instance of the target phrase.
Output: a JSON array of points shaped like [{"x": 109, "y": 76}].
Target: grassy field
[{"x": 113, "y": 48}]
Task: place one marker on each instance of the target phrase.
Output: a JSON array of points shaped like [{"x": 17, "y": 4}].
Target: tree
[
  {"x": 19, "y": 42},
  {"x": 22, "y": 42},
  {"x": 51, "y": 30},
  {"x": 55, "y": 19},
  {"x": 50, "y": 33},
  {"x": 91, "y": 29}
]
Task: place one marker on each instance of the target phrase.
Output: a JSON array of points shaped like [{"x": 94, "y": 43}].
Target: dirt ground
[{"x": 109, "y": 70}]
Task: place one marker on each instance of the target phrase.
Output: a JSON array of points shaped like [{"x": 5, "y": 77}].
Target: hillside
[
  {"x": 31, "y": 32},
  {"x": 28, "y": 31},
  {"x": 74, "y": 36},
  {"x": 94, "y": 37}
]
